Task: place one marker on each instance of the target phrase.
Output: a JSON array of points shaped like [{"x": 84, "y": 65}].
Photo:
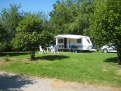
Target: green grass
[{"x": 91, "y": 68}]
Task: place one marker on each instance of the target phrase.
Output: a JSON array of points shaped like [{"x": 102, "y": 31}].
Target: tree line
[{"x": 98, "y": 19}]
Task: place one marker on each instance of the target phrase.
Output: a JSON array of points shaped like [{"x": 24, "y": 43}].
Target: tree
[
  {"x": 72, "y": 16},
  {"x": 81, "y": 23},
  {"x": 106, "y": 23},
  {"x": 58, "y": 17},
  {"x": 3, "y": 36},
  {"x": 9, "y": 18},
  {"x": 28, "y": 34}
]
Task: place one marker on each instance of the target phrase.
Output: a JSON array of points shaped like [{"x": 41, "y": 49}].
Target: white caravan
[{"x": 74, "y": 42}]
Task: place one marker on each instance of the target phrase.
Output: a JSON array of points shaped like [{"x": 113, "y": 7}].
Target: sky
[{"x": 30, "y": 5}]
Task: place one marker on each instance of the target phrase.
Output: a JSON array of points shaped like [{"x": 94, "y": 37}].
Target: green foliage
[
  {"x": 72, "y": 16},
  {"x": 3, "y": 37},
  {"x": 46, "y": 38},
  {"x": 7, "y": 58},
  {"x": 28, "y": 34},
  {"x": 9, "y": 18},
  {"x": 107, "y": 24},
  {"x": 106, "y": 21}
]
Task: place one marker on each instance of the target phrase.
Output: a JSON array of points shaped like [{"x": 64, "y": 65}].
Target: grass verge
[{"x": 92, "y": 68}]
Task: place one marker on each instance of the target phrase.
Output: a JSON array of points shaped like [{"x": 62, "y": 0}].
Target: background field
[{"x": 91, "y": 68}]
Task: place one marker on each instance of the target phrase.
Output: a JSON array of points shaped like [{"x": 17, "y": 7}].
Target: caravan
[{"x": 74, "y": 42}]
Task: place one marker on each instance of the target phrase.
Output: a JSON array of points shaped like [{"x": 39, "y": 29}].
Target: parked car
[{"x": 108, "y": 48}]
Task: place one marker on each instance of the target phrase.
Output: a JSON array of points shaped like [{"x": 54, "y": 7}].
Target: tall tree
[
  {"x": 28, "y": 34},
  {"x": 57, "y": 17},
  {"x": 81, "y": 23},
  {"x": 72, "y": 16},
  {"x": 3, "y": 36},
  {"x": 9, "y": 18},
  {"x": 106, "y": 23}
]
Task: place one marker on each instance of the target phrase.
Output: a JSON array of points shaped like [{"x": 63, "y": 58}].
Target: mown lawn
[{"x": 92, "y": 68}]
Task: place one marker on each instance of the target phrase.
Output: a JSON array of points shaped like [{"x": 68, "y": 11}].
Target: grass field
[{"x": 92, "y": 68}]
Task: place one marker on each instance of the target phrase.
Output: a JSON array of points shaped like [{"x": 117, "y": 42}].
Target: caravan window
[
  {"x": 88, "y": 41},
  {"x": 60, "y": 40},
  {"x": 79, "y": 40}
]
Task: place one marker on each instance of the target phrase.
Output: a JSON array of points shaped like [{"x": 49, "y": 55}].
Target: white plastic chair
[
  {"x": 41, "y": 50},
  {"x": 54, "y": 50}
]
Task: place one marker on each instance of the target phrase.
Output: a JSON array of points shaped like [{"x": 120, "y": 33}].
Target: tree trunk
[
  {"x": 119, "y": 57},
  {"x": 32, "y": 55},
  {"x": 119, "y": 53}
]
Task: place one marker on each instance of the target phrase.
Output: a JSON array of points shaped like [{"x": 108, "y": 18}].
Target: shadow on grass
[
  {"x": 13, "y": 53},
  {"x": 52, "y": 57},
  {"x": 112, "y": 59},
  {"x": 13, "y": 82}
]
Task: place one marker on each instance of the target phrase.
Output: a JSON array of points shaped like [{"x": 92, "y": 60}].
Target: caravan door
[
  {"x": 65, "y": 42},
  {"x": 86, "y": 43}
]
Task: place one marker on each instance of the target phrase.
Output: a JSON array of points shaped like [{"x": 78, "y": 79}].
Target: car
[{"x": 108, "y": 48}]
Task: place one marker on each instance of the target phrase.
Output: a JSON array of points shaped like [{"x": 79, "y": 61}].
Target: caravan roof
[{"x": 70, "y": 36}]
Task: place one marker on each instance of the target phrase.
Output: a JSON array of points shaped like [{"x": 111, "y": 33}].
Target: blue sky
[{"x": 30, "y": 5}]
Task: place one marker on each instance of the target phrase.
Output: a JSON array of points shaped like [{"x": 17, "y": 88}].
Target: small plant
[{"x": 6, "y": 58}]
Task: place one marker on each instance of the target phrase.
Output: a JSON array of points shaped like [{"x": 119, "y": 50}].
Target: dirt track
[{"x": 14, "y": 82}]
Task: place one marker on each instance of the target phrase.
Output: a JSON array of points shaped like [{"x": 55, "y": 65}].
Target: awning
[{"x": 70, "y": 36}]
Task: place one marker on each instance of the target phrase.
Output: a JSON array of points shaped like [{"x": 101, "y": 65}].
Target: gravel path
[{"x": 14, "y": 82}]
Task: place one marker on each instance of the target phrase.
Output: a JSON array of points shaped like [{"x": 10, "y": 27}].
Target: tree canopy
[
  {"x": 28, "y": 34},
  {"x": 106, "y": 23},
  {"x": 72, "y": 16},
  {"x": 9, "y": 18},
  {"x": 3, "y": 37}
]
